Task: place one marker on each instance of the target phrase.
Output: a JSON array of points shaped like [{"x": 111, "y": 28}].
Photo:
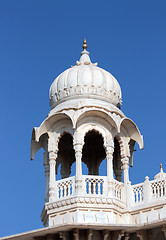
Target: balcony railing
[
  {"x": 138, "y": 192},
  {"x": 94, "y": 185},
  {"x": 65, "y": 188},
  {"x": 91, "y": 186},
  {"x": 97, "y": 186},
  {"x": 157, "y": 188},
  {"x": 118, "y": 190},
  {"x": 148, "y": 192}
]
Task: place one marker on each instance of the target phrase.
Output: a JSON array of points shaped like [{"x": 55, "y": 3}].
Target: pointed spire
[
  {"x": 161, "y": 174},
  {"x": 161, "y": 167},
  {"x": 84, "y": 44},
  {"x": 85, "y": 59}
]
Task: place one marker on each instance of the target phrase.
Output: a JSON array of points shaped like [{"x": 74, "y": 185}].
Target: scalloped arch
[
  {"x": 86, "y": 127},
  {"x": 97, "y": 113},
  {"x": 47, "y": 124},
  {"x": 132, "y": 131}
]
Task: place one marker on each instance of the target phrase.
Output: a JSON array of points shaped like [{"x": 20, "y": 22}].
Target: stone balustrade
[
  {"x": 139, "y": 194},
  {"x": 64, "y": 188},
  {"x": 95, "y": 185},
  {"x": 139, "y": 204},
  {"x": 91, "y": 186},
  {"x": 148, "y": 192}
]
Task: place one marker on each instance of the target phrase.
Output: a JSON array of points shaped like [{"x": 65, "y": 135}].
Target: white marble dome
[{"x": 85, "y": 80}]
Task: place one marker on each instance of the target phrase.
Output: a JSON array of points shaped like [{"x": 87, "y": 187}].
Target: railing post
[
  {"x": 128, "y": 194},
  {"x": 147, "y": 191}
]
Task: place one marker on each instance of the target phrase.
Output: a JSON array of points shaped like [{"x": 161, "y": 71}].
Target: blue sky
[{"x": 39, "y": 40}]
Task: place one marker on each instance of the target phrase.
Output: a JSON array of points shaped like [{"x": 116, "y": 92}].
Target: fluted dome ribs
[{"x": 85, "y": 80}]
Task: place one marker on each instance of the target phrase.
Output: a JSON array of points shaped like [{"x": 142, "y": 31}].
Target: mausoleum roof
[{"x": 85, "y": 80}]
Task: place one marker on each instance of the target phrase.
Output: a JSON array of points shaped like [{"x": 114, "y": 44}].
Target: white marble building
[{"x": 86, "y": 125}]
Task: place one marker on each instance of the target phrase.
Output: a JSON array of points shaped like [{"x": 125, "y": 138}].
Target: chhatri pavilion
[{"x": 85, "y": 127}]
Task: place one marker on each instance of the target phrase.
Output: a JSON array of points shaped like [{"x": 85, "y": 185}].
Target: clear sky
[{"x": 39, "y": 40}]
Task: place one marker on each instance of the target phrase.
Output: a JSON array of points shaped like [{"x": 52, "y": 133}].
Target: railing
[
  {"x": 95, "y": 185},
  {"x": 157, "y": 188},
  {"x": 148, "y": 192},
  {"x": 65, "y": 187},
  {"x": 118, "y": 189},
  {"x": 92, "y": 186},
  {"x": 138, "y": 193}
]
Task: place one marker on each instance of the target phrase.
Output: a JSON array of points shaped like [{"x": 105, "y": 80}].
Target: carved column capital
[
  {"x": 52, "y": 155},
  {"x": 109, "y": 149},
  {"x": 52, "y": 143},
  {"x": 125, "y": 167},
  {"x": 78, "y": 138},
  {"x": 108, "y": 141},
  {"x": 125, "y": 160},
  {"x": 78, "y": 146}
]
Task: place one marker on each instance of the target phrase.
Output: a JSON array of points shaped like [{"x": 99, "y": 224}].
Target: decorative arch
[
  {"x": 87, "y": 127},
  {"x": 60, "y": 121},
  {"x": 100, "y": 113},
  {"x": 123, "y": 139},
  {"x": 65, "y": 154},
  {"x": 123, "y": 143},
  {"x": 93, "y": 151},
  {"x": 60, "y": 128},
  {"x": 132, "y": 131},
  {"x": 99, "y": 124},
  {"x": 121, "y": 150},
  {"x": 49, "y": 122}
]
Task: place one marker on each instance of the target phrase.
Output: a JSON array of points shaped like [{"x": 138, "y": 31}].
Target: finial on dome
[
  {"x": 84, "y": 44},
  {"x": 85, "y": 59},
  {"x": 161, "y": 167},
  {"x": 161, "y": 174}
]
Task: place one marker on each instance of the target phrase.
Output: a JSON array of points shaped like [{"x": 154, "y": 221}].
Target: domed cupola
[
  {"x": 85, "y": 80},
  {"x": 84, "y": 131}
]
